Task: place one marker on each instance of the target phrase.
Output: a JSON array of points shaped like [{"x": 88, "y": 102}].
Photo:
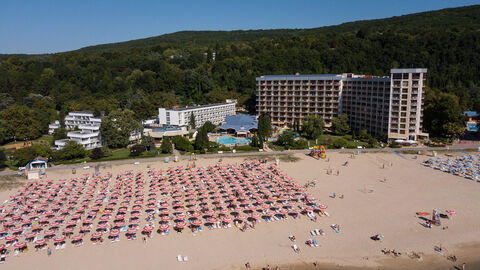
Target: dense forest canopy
[{"x": 195, "y": 67}]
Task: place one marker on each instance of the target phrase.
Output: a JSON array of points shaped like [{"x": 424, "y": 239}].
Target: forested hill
[
  {"x": 191, "y": 67},
  {"x": 460, "y": 19}
]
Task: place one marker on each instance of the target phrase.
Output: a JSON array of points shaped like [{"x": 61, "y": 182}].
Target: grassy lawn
[
  {"x": 44, "y": 139},
  {"x": 117, "y": 154}
]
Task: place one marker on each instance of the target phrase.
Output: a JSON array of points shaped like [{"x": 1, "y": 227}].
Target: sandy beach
[{"x": 375, "y": 193}]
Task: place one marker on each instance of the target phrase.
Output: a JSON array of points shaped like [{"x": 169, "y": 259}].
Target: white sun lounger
[
  {"x": 179, "y": 258},
  {"x": 185, "y": 258},
  {"x": 295, "y": 248},
  {"x": 313, "y": 233}
]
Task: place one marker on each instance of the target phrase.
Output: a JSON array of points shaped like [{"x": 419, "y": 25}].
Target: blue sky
[{"x": 47, "y": 26}]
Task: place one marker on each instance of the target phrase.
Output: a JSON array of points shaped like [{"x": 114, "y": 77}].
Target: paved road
[{"x": 265, "y": 153}]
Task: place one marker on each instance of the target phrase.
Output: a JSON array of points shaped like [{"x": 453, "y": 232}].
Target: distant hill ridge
[{"x": 464, "y": 17}]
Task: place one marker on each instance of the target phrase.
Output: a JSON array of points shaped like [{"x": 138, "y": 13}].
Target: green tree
[
  {"x": 59, "y": 133},
  {"x": 6, "y": 133},
  {"x": 148, "y": 142},
  {"x": 382, "y": 137},
  {"x": 201, "y": 140},
  {"x": 97, "y": 153},
  {"x": 339, "y": 143},
  {"x": 340, "y": 125},
  {"x": 300, "y": 144},
  {"x": 443, "y": 115},
  {"x": 209, "y": 127},
  {"x": 136, "y": 150},
  {"x": 264, "y": 126},
  {"x": 363, "y": 135},
  {"x": 22, "y": 122},
  {"x": 3, "y": 159},
  {"x": 286, "y": 139},
  {"x": 24, "y": 155},
  {"x": 372, "y": 142},
  {"x": 6, "y": 101},
  {"x": 166, "y": 146},
  {"x": 162, "y": 100},
  {"x": 192, "y": 121},
  {"x": 71, "y": 150},
  {"x": 182, "y": 144},
  {"x": 117, "y": 127},
  {"x": 254, "y": 142},
  {"x": 312, "y": 127}
]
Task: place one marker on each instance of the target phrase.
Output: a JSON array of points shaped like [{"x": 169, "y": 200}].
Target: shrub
[
  {"x": 339, "y": 143},
  {"x": 166, "y": 146},
  {"x": 201, "y": 141},
  {"x": 209, "y": 127},
  {"x": 246, "y": 148},
  {"x": 300, "y": 144},
  {"x": 372, "y": 143},
  {"x": 71, "y": 150},
  {"x": 148, "y": 142},
  {"x": 97, "y": 153},
  {"x": 137, "y": 150},
  {"x": 24, "y": 155},
  {"x": 182, "y": 144},
  {"x": 3, "y": 159},
  {"x": 59, "y": 134}
]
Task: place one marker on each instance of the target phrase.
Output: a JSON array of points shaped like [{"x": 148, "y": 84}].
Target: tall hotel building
[{"x": 392, "y": 105}]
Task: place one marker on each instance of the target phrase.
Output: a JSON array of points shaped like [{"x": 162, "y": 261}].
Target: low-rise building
[
  {"x": 74, "y": 119},
  {"x": 53, "y": 126},
  {"x": 240, "y": 125},
  {"x": 88, "y": 136},
  {"x": 214, "y": 113}
]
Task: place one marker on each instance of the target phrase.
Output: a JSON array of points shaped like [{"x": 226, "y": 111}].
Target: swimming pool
[
  {"x": 472, "y": 127},
  {"x": 231, "y": 140}
]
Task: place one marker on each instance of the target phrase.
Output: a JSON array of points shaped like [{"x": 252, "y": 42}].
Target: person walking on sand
[
  {"x": 247, "y": 265},
  {"x": 463, "y": 266},
  {"x": 49, "y": 252}
]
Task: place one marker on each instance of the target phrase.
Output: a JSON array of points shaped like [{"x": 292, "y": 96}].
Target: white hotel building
[
  {"x": 214, "y": 113},
  {"x": 89, "y": 134}
]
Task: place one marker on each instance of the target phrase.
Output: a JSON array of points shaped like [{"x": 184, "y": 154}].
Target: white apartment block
[
  {"x": 214, "y": 113},
  {"x": 406, "y": 103},
  {"x": 393, "y": 106},
  {"x": 74, "y": 119},
  {"x": 88, "y": 136},
  {"x": 53, "y": 126}
]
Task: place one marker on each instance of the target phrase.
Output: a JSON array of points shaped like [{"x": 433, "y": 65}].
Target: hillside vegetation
[{"x": 180, "y": 68}]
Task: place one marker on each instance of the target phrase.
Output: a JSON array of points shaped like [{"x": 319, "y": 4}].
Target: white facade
[
  {"x": 407, "y": 91},
  {"x": 53, "y": 126},
  {"x": 214, "y": 113},
  {"x": 74, "y": 119},
  {"x": 88, "y": 136}
]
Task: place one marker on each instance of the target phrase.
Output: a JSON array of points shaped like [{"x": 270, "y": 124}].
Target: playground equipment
[{"x": 318, "y": 152}]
